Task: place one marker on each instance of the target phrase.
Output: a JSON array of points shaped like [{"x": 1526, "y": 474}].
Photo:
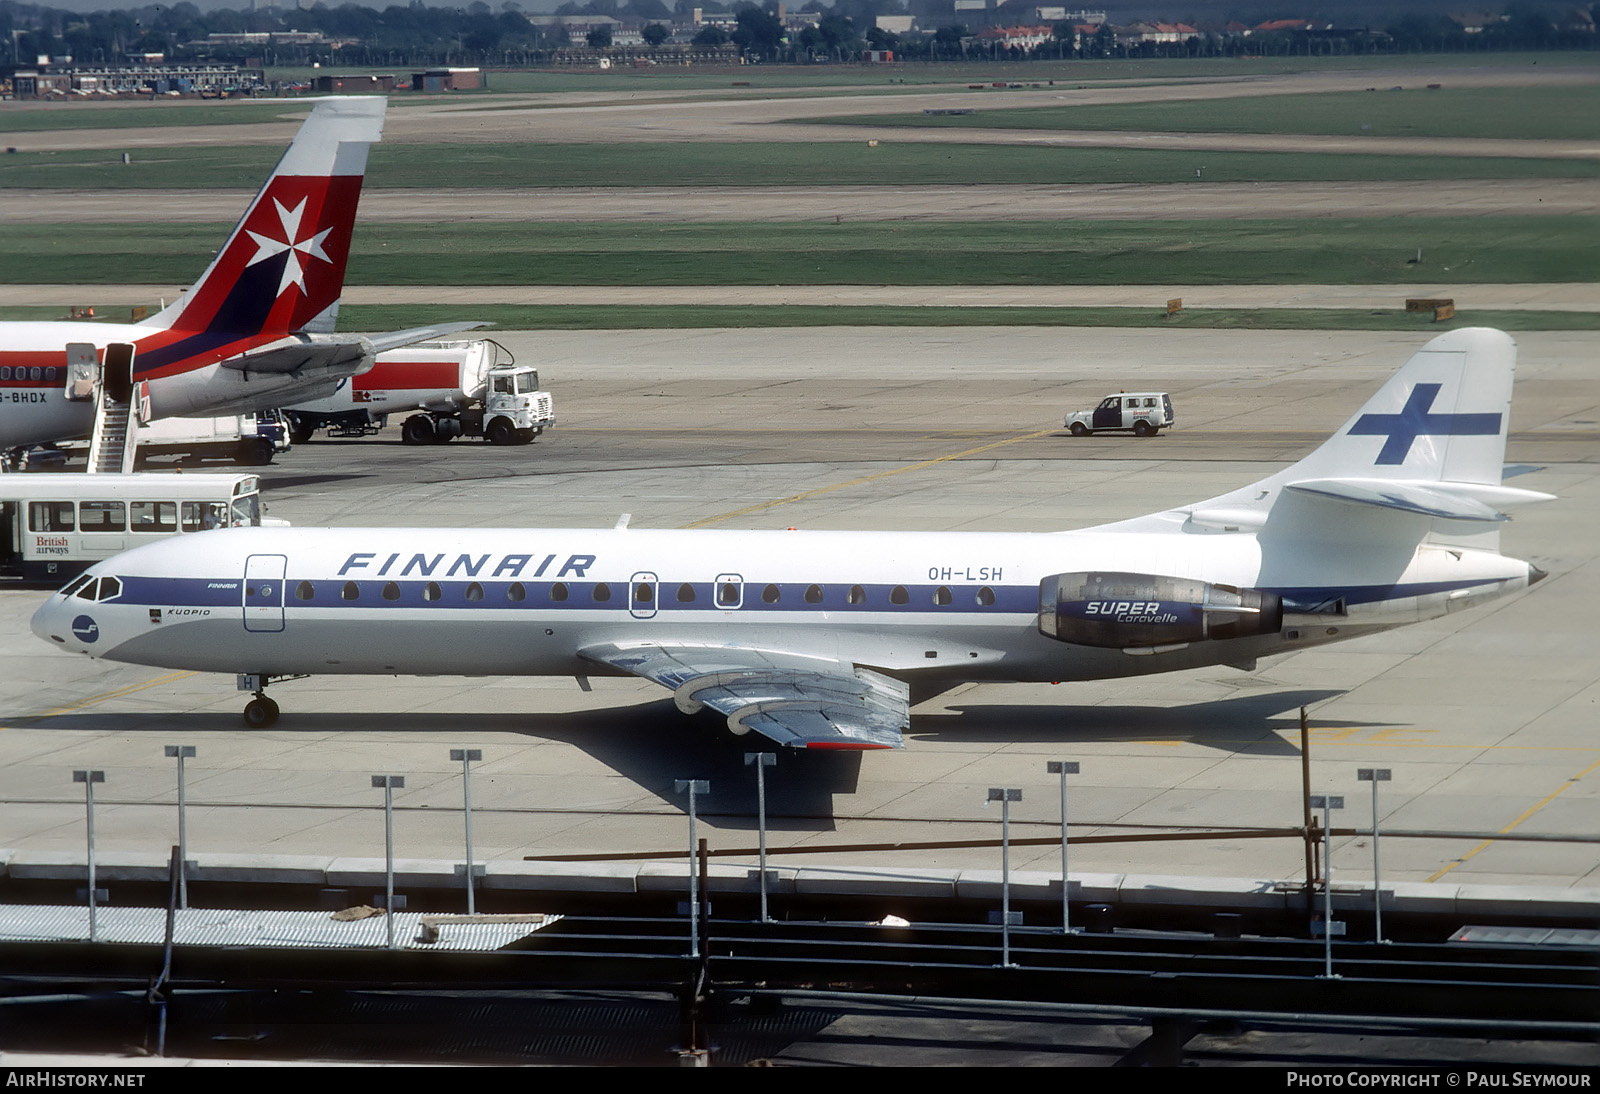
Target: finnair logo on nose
[
  {"x": 86, "y": 629},
  {"x": 1414, "y": 421}
]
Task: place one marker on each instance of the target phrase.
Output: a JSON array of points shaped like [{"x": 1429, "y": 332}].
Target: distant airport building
[
  {"x": 448, "y": 79},
  {"x": 355, "y": 84},
  {"x": 65, "y": 79}
]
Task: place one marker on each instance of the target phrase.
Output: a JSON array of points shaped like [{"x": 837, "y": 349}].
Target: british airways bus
[{"x": 53, "y": 526}]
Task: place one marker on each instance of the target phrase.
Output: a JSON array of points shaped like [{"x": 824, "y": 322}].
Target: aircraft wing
[
  {"x": 347, "y": 354},
  {"x": 800, "y": 702}
]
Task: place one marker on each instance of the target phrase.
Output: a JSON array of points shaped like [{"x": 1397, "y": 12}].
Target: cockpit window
[
  {"x": 76, "y": 583},
  {"x": 107, "y": 588}
]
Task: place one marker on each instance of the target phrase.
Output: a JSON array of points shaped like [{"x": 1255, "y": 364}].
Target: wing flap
[{"x": 792, "y": 699}]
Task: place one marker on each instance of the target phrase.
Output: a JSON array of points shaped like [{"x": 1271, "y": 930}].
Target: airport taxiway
[{"x": 1486, "y": 717}]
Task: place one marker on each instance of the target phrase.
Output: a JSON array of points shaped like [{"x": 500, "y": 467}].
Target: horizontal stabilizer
[
  {"x": 383, "y": 343},
  {"x": 1444, "y": 500},
  {"x": 306, "y": 353}
]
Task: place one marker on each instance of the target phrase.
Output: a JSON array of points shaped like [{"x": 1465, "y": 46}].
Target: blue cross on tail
[{"x": 1414, "y": 421}]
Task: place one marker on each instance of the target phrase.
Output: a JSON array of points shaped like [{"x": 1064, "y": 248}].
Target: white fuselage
[
  {"x": 34, "y": 408},
  {"x": 939, "y": 607}
]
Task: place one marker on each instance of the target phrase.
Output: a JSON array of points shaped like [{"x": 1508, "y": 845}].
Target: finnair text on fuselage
[{"x": 466, "y": 565}]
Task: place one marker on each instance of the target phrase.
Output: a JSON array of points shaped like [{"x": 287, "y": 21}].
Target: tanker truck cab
[
  {"x": 1143, "y": 413},
  {"x": 516, "y": 411}
]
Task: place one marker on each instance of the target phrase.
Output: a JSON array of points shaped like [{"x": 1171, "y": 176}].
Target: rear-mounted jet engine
[{"x": 1143, "y": 611}]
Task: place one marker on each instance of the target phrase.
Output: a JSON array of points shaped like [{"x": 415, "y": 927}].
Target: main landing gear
[{"x": 260, "y": 712}]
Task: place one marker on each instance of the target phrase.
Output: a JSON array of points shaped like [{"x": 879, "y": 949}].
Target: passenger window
[
  {"x": 391, "y": 591},
  {"x": 986, "y": 597},
  {"x": 814, "y": 594},
  {"x": 558, "y": 591},
  {"x": 602, "y": 593},
  {"x": 728, "y": 595},
  {"x": 771, "y": 595},
  {"x": 474, "y": 591},
  {"x": 643, "y": 593},
  {"x": 898, "y": 595},
  {"x": 50, "y": 516},
  {"x": 431, "y": 591},
  {"x": 350, "y": 591},
  {"x": 941, "y": 596},
  {"x": 858, "y": 595},
  {"x": 102, "y": 516},
  {"x": 303, "y": 591},
  {"x": 686, "y": 593},
  {"x": 518, "y": 594},
  {"x": 190, "y": 513}
]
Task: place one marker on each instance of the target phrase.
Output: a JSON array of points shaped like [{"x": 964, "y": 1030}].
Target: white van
[{"x": 1144, "y": 413}]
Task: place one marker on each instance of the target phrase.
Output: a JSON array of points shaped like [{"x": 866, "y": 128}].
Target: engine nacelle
[{"x": 1139, "y": 611}]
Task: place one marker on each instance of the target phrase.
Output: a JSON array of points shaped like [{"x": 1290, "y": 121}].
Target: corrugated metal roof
[{"x": 235, "y": 927}]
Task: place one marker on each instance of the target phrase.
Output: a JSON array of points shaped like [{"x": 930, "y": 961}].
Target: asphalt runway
[{"x": 1485, "y": 717}]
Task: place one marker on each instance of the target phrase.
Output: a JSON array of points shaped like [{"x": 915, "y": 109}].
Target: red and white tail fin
[{"x": 282, "y": 269}]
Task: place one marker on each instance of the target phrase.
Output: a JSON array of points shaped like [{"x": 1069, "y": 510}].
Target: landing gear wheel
[
  {"x": 1142, "y": 428},
  {"x": 260, "y": 712},
  {"x": 1079, "y": 429},
  {"x": 500, "y": 431}
]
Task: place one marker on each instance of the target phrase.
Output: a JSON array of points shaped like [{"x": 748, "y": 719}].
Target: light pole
[
  {"x": 181, "y": 753},
  {"x": 1063, "y": 768},
  {"x": 390, "y": 784},
  {"x": 1327, "y": 803},
  {"x": 694, "y": 787},
  {"x": 761, "y": 761},
  {"x": 1005, "y": 796},
  {"x": 88, "y": 779},
  {"x": 466, "y": 756},
  {"x": 1375, "y": 775}
]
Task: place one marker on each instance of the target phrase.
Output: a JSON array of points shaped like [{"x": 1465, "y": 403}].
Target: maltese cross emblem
[{"x": 310, "y": 247}]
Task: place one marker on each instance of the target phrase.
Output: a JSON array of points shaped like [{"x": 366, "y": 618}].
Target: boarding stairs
[{"x": 115, "y": 439}]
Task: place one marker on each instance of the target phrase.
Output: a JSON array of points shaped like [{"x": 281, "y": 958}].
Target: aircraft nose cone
[{"x": 44, "y": 624}]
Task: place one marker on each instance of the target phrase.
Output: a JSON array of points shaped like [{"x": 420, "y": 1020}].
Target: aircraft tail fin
[
  {"x": 282, "y": 269},
  {"x": 1430, "y": 443}
]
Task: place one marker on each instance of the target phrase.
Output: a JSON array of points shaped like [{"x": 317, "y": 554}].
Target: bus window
[
  {"x": 50, "y": 516},
  {"x": 154, "y": 516},
  {"x": 102, "y": 516},
  {"x": 247, "y": 511}
]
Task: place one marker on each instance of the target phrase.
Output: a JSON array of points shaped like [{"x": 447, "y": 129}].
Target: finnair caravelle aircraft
[
  {"x": 817, "y": 639},
  {"x": 252, "y": 333}
]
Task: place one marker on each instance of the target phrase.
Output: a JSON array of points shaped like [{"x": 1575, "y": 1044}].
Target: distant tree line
[{"x": 478, "y": 34}]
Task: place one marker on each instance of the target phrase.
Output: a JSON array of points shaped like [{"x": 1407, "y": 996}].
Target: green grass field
[
  {"x": 373, "y": 317},
  {"x": 1244, "y": 252},
  {"x": 852, "y": 163},
  {"x": 1530, "y": 113}
]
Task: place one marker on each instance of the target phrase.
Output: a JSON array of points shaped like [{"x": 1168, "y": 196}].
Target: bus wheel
[{"x": 260, "y": 712}]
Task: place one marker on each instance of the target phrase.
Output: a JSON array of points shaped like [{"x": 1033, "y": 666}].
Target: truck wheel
[
  {"x": 1079, "y": 429},
  {"x": 1142, "y": 428},
  {"x": 500, "y": 431},
  {"x": 418, "y": 429},
  {"x": 254, "y": 452}
]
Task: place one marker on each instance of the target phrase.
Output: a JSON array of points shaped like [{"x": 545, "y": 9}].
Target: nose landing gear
[{"x": 260, "y": 712}]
